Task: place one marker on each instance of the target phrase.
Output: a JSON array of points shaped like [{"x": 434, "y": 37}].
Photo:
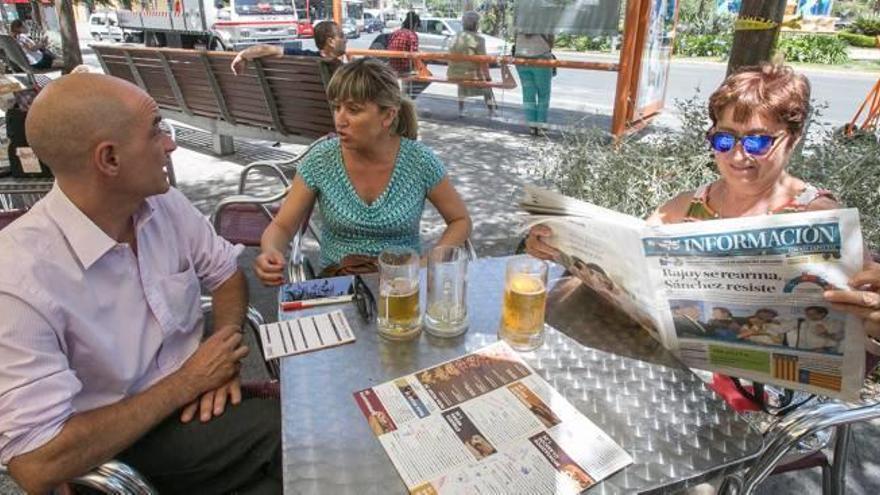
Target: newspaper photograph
[
  {"x": 486, "y": 423},
  {"x": 743, "y": 296}
]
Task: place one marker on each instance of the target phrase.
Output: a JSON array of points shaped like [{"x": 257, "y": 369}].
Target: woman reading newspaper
[{"x": 758, "y": 117}]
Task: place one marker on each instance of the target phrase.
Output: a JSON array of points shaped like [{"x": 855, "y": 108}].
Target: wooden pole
[
  {"x": 751, "y": 47},
  {"x": 337, "y": 12},
  {"x": 622, "y": 100}
]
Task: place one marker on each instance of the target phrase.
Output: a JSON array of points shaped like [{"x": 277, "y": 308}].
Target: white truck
[{"x": 230, "y": 25}]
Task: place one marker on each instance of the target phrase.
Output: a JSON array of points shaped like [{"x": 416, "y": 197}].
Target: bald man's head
[{"x": 74, "y": 114}]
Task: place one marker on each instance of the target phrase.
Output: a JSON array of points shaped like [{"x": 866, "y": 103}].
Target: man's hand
[
  {"x": 215, "y": 362},
  {"x": 864, "y": 301},
  {"x": 269, "y": 267},
  {"x": 213, "y": 402},
  {"x": 239, "y": 63}
]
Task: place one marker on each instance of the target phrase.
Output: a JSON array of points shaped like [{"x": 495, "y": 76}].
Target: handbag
[{"x": 353, "y": 264}]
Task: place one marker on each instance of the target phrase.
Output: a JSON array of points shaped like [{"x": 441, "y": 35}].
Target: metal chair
[
  {"x": 789, "y": 430},
  {"x": 243, "y": 218}
]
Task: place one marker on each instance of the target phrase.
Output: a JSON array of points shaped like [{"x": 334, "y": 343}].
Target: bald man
[{"x": 101, "y": 336}]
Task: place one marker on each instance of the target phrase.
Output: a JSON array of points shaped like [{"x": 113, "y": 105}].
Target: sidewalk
[{"x": 488, "y": 167}]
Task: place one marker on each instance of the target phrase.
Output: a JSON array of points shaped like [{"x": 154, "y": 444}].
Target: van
[{"x": 105, "y": 26}]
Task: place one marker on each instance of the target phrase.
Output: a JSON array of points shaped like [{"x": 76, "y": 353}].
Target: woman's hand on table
[
  {"x": 863, "y": 301},
  {"x": 536, "y": 244},
  {"x": 269, "y": 267}
]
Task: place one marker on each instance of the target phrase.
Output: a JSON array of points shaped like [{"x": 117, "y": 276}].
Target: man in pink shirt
[{"x": 102, "y": 352}]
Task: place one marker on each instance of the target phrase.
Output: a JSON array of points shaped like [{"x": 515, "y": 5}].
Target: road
[{"x": 580, "y": 95}]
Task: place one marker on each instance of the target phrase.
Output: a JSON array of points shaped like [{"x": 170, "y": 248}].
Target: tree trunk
[
  {"x": 69, "y": 39},
  {"x": 37, "y": 14},
  {"x": 753, "y": 47}
]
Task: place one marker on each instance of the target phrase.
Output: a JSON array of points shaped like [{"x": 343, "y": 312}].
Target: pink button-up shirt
[{"x": 84, "y": 322}]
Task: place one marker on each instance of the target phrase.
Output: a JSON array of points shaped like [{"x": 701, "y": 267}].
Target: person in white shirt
[{"x": 37, "y": 52}]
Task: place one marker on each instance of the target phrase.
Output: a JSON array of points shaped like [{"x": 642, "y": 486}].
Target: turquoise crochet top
[{"x": 351, "y": 226}]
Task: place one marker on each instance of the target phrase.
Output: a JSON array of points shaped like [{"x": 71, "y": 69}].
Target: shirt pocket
[{"x": 181, "y": 292}]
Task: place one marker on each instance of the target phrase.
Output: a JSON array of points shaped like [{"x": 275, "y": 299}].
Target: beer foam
[{"x": 525, "y": 284}]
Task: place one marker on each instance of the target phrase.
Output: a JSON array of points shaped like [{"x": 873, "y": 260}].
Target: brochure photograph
[
  {"x": 487, "y": 423},
  {"x": 741, "y": 296}
]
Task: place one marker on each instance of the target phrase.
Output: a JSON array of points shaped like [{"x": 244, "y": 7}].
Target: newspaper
[
  {"x": 743, "y": 296},
  {"x": 487, "y": 423}
]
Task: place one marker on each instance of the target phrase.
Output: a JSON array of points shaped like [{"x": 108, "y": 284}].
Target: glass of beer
[
  {"x": 446, "y": 313},
  {"x": 400, "y": 315},
  {"x": 525, "y": 294}
]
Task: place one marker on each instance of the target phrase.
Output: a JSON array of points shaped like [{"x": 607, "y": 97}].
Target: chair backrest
[
  {"x": 7, "y": 217},
  {"x": 15, "y": 54},
  {"x": 285, "y": 96}
]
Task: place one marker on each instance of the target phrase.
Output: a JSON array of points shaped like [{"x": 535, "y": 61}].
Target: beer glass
[
  {"x": 400, "y": 316},
  {"x": 446, "y": 314},
  {"x": 525, "y": 294}
]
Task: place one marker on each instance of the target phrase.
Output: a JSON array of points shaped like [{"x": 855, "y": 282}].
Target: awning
[{"x": 45, "y": 2}]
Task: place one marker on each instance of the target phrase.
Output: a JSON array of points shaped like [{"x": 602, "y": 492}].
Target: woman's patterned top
[
  {"x": 699, "y": 208},
  {"x": 351, "y": 226}
]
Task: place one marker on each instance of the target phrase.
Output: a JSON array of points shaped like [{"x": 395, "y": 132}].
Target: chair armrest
[
  {"x": 116, "y": 477},
  {"x": 786, "y": 432},
  {"x": 276, "y": 167},
  {"x": 273, "y": 167}
]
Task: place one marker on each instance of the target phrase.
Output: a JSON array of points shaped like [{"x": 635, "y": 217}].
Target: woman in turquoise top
[{"x": 370, "y": 182}]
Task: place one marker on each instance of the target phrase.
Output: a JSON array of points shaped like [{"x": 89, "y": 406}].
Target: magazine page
[
  {"x": 487, "y": 423},
  {"x": 744, "y": 297}
]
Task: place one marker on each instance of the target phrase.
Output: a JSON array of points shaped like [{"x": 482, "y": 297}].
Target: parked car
[
  {"x": 373, "y": 24},
  {"x": 436, "y": 34},
  {"x": 349, "y": 27},
  {"x": 105, "y": 26}
]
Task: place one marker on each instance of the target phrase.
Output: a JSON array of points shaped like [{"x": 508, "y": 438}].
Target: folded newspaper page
[
  {"x": 487, "y": 423},
  {"x": 742, "y": 296}
]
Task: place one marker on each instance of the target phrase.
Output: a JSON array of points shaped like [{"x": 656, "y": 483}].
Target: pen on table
[{"x": 294, "y": 305}]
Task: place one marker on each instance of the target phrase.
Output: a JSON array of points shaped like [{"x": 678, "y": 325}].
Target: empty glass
[
  {"x": 400, "y": 316},
  {"x": 446, "y": 315}
]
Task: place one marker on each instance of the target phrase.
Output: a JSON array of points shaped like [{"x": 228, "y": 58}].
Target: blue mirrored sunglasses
[{"x": 753, "y": 144}]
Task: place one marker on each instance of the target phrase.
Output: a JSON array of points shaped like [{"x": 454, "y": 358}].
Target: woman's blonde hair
[{"x": 370, "y": 80}]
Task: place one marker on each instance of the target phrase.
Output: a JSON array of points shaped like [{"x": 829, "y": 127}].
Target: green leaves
[
  {"x": 643, "y": 172},
  {"x": 813, "y": 49}
]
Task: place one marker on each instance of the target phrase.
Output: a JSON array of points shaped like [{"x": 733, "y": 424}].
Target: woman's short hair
[
  {"x": 770, "y": 90},
  {"x": 16, "y": 24},
  {"x": 470, "y": 21},
  {"x": 411, "y": 21},
  {"x": 371, "y": 80}
]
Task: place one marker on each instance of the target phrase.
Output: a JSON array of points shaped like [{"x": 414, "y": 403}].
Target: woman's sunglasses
[{"x": 753, "y": 144}]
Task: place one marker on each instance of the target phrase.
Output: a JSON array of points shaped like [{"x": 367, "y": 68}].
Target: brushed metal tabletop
[{"x": 678, "y": 432}]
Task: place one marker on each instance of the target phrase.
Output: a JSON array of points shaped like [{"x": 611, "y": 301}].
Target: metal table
[{"x": 678, "y": 432}]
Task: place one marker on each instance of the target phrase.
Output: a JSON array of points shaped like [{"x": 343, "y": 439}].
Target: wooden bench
[{"x": 277, "y": 99}]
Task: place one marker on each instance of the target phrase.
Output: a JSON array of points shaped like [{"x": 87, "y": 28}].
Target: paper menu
[{"x": 487, "y": 423}]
